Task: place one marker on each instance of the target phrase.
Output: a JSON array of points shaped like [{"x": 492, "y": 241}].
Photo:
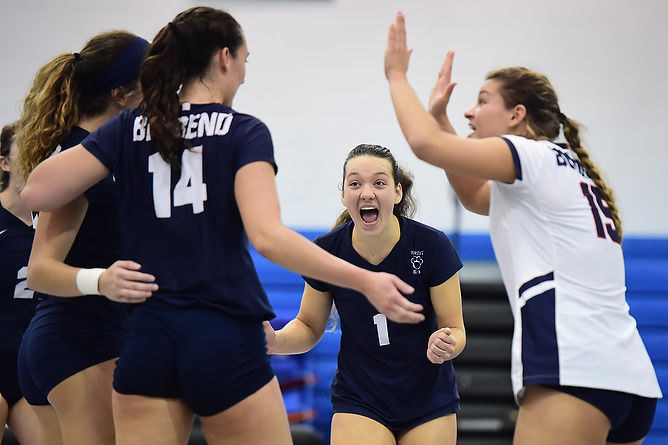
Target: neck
[
  {"x": 202, "y": 91},
  {"x": 374, "y": 248},
  {"x": 11, "y": 201},
  {"x": 92, "y": 123}
]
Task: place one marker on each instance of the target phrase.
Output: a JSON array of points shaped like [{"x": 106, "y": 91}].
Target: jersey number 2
[
  {"x": 190, "y": 189},
  {"x": 600, "y": 210},
  {"x": 21, "y": 290},
  {"x": 381, "y": 326}
]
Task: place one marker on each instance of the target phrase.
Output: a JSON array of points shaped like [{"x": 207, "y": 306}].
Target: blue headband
[{"x": 123, "y": 68}]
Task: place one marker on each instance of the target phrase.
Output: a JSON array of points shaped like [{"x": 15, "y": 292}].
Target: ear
[
  {"x": 119, "y": 96},
  {"x": 517, "y": 116},
  {"x": 224, "y": 57},
  {"x": 398, "y": 194},
  {"x": 4, "y": 164}
]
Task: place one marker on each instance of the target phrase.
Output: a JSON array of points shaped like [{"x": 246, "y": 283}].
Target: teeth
[{"x": 368, "y": 208}]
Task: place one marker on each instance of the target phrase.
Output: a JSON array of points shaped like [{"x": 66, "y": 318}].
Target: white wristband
[{"x": 87, "y": 280}]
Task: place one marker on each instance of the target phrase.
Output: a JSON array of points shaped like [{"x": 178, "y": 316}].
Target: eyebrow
[{"x": 375, "y": 174}]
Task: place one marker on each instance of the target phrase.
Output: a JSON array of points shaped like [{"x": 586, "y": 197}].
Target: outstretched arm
[
  {"x": 304, "y": 331},
  {"x": 61, "y": 178},
  {"x": 481, "y": 158},
  {"x": 47, "y": 272},
  {"x": 255, "y": 192},
  {"x": 449, "y": 340},
  {"x": 472, "y": 192}
]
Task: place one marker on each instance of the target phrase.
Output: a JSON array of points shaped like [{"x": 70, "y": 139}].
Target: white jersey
[{"x": 563, "y": 269}]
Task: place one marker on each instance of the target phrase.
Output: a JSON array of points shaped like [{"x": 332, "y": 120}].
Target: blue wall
[{"x": 647, "y": 295}]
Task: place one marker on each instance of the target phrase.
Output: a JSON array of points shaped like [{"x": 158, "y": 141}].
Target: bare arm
[
  {"x": 472, "y": 192},
  {"x": 449, "y": 340},
  {"x": 256, "y": 196},
  {"x": 481, "y": 158},
  {"x": 61, "y": 178},
  {"x": 305, "y": 330},
  {"x": 47, "y": 272}
]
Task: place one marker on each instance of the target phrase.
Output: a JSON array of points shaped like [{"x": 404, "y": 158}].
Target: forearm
[
  {"x": 53, "y": 277},
  {"x": 473, "y": 193},
  {"x": 417, "y": 124},
  {"x": 295, "y": 337},
  {"x": 459, "y": 334},
  {"x": 292, "y": 251}
]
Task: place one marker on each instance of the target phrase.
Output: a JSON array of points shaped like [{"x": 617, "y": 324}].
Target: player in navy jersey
[
  {"x": 17, "y": 305},
  {"x": 395, "y": 383},
  {"x": 196, "y": 183},
  {"x": 580, "y": 371},
  {"x": 68, "y": 353}
]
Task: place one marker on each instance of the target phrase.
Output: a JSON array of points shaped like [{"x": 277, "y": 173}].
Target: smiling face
[
  {"x": 489, "y": 116},
  {"x": 370, "y": 193}
]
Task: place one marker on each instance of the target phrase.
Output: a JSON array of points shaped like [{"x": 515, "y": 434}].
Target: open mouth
[{"x": 369, "y": 214}]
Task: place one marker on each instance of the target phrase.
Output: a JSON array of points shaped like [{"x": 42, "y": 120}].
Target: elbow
[
  {"x": 419, "y": 145},
  {"x": 36, "y": 201},
  {"x": 263, "y": 242}
]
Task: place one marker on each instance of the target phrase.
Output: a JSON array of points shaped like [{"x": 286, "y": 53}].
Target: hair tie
[
  {"x": 77, "y": 57},
  {"x": 562, "y": 117}
]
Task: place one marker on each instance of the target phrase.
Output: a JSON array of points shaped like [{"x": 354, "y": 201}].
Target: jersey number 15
[{"x": 600, "y": 211}]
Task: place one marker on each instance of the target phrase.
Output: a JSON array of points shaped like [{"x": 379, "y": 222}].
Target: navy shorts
[
  {"x": 9, "y": 382},
  {"x": 630, "y": 415},
  {"x": 347, "y": 405},
  {"x": 60, "y": 342},
  {"x": 209, "y": 359}
]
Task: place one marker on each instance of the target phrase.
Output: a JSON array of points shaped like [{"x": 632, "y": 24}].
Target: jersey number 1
[
  {"x": 190, "y": 189},
  {"x": 381, "y": 326},
  {"x": 600, "y": 210}
]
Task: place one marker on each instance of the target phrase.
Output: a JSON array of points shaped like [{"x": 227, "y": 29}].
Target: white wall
[{"x": 315, "y": 76}]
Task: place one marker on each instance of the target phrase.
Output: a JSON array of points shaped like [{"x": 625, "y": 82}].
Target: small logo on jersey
[
  {"x": 3, "y": 231},
  {"x": 416, "y": 261}
]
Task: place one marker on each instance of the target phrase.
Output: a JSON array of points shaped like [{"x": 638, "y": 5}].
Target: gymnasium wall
[{"x": 315, "y": 76}]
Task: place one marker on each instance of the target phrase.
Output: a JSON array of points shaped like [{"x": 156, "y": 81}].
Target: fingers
[
  {"x": 441, "y": 346},
  {"x": 402, "y": 286}
]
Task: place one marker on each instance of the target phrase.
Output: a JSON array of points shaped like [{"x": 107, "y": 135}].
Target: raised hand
[
  {"x": 384, "y": 291},
  {"x": 442, "y": 90},
  {"x": 122, "y": 282},
  {"x": 397, "y": 54},
  {"x": 441, "y": 346}
]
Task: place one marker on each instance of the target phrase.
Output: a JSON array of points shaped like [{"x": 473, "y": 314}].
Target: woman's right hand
[
  {"x": 442, "y": 90},
  {"x": 122, "y": 282},
  {"x": 384, "y": 291}
]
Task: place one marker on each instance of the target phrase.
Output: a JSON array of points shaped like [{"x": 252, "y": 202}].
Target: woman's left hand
[{"x": 441, "y": 346}]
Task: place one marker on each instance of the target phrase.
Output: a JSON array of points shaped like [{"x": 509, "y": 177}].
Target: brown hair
[
  {"x": 6, "y": 139},
  {"x": 64, "y": 91},
  {"x": 519, "y": 85},
  {"x": 406, "y": 207},
  {"x": 181, "y": 51}
]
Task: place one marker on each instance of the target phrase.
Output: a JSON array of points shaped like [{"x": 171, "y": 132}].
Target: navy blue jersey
[
  {"x": 381, "y": 363},
  {"x": 97, "y": 243},
  {"x": 183, "y": 225},
  {"x": 16, "y": 300}
]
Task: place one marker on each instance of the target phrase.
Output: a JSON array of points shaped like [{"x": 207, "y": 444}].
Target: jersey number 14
[{"x": 190, "y": 189}]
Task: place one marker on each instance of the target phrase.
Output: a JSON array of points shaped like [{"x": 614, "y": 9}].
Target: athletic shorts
[
  {"x": 343, "y": 404},
  {"x": 207, "y": 358},
  {"x": 9, "y": 382},
  {"x": 60, "y": 342},
  {"x": 630, "y": 415}
]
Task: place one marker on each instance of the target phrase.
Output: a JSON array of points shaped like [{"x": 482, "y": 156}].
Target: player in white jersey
[{"x": 580, "y": 371}]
